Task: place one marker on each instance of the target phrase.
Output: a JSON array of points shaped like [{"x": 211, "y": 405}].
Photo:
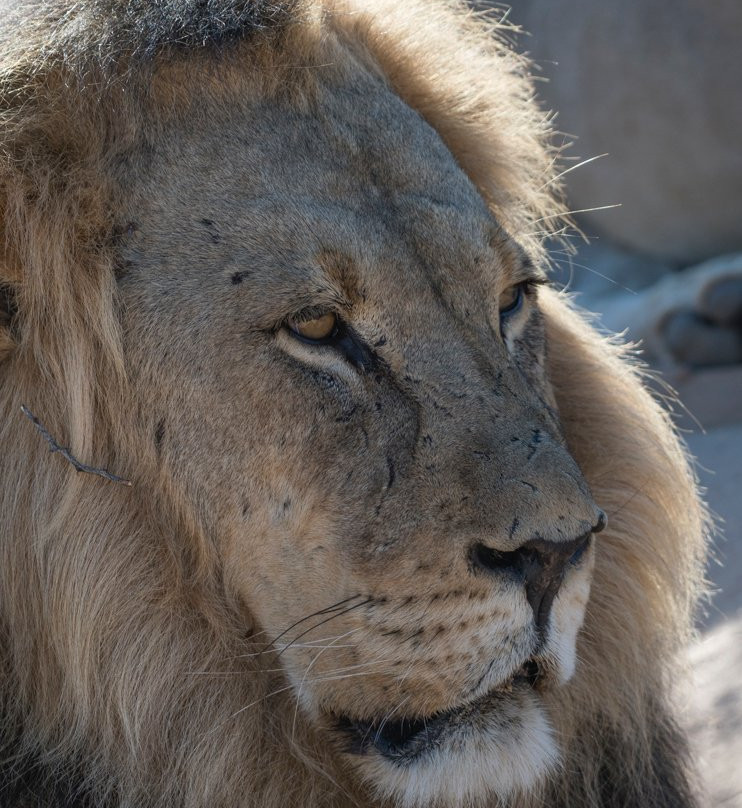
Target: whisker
[
  {"x": 571, "y": 169},
  {"x": 571, "y": 264},
  {"x": 259, "y": 671},
  {"x": 315, "y": 645},
  {"x": 331, "y": 640},
  {"x": 270, "y": 645},
  {"x": 326, "y": 610},
  {"x": 326, "y": 620},
  {"x": 303, "y": 679},
  {"x": 388, "y": 716},
  {"x": 283, "y": 647},
  {"x": 242, "y": 710},
  {"x": 570, "y": 212},
  {"x": 346, "y": 675}
]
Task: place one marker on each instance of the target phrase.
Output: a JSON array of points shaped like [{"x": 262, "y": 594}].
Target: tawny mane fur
[{"x": 133, "y": 657}]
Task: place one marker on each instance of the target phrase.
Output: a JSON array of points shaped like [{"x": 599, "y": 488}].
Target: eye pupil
[{"x": 315, "y": 329}]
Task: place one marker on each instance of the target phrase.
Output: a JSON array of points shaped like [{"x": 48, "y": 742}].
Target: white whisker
[
  {"x": 569, "y": 262},
  {"x": 571, "y": 169},
  {"x": 389, "y": 715},
  {"x": 570, "y": 212},
  {"x": 303, "y": 679}
]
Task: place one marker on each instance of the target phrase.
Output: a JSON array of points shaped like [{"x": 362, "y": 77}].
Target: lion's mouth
[{"x": 401, "y": 741}]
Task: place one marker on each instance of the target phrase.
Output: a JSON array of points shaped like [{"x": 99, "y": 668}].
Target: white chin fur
[{"x": 508, "y": 750}]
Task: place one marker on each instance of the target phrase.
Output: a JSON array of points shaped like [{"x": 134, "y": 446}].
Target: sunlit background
[{"x": 648, "y": 94}]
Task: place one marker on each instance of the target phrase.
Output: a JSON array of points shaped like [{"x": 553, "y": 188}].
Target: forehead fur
[{"x": 88, "y": 82}]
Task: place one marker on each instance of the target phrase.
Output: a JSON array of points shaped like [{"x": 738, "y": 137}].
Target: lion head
[{"x": 279, "y": 265}]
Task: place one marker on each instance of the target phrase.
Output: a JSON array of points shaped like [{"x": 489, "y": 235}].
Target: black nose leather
[
  {"x": 539, "y": 564},
  {"x": 601, "y": 523}
]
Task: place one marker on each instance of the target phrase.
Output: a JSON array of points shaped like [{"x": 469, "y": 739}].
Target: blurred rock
[
  {"x": 720, "y": 473},
  {"x": 686, "y": 319},
  {"x": 714, "y": 700},
  {"x": 599, "y": 268},
  {"x": 697, "y": 342},
  {"x": 715, "y": 712},
  {"x": 658, "y": 86},
  {"x": 711, "y": 398},
  {"x": 722, "y": 302}
]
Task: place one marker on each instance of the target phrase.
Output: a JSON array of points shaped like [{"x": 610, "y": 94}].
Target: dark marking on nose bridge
[
  {"x": 392, "y": 474},
  {"x": 212, "y": 230},
  {"x": 159, "y": 434},
  {"x": 536, "y": 438},
  {"x": 513, "y": 527},
  {"x": 442, "y": 408},
  {"x": 119, "y": 231},
  {"x": 346, "y": 415},
  {"x": 118, "y": 234},
  {"x": 238, "y": 277},
  {"x": 121, "y": 266}
]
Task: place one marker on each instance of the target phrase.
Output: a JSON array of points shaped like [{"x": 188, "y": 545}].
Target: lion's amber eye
[
  {"x": 316, "y": 329},
  {"x": 511, "y": 299}
]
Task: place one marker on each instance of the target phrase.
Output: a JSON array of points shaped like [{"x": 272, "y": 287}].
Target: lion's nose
[{"x": 539, "y": 564}]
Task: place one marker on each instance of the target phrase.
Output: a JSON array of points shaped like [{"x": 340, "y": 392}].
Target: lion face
[{"x": 339, "y": 357}]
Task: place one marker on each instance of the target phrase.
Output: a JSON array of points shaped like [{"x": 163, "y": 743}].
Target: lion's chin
[{"x": 498, "y": 744}]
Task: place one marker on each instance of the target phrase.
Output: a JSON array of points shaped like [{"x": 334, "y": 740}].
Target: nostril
[
  {"x": 601, "y": 523},
  {"x": 489, "y": 560},
  {"x": 582, "y": 548},
  {"x": 538, "y": 564}
]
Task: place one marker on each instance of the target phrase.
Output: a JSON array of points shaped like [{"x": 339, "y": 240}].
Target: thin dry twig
[{"x": 67, "y": 455}]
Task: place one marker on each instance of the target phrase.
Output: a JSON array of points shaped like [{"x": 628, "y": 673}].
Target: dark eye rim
[
  {"x": 346, "y": 342},
  {"x": 517, "y": 304}
]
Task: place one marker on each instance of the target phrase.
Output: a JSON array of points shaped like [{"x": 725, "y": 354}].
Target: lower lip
[{"x": 404, "y": 740}]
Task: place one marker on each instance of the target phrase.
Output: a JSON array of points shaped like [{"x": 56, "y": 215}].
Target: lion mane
[{"x": 127, "y": 678}]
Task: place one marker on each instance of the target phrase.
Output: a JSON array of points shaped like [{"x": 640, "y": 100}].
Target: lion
[{"x": 403, "y": 529}]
